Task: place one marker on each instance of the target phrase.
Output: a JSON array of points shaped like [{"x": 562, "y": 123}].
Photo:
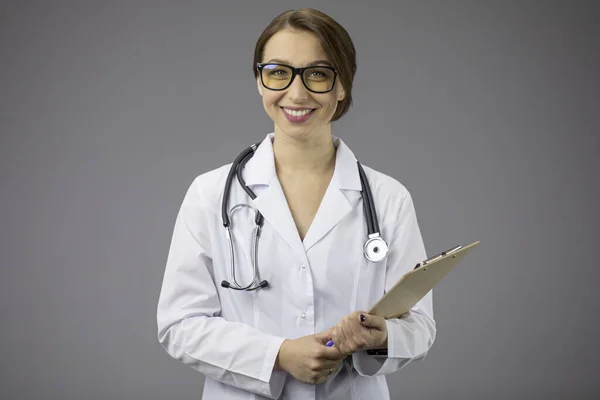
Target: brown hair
[{"x": 333, "y": 37}]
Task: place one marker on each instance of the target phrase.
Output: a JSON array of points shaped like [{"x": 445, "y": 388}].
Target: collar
[{"x": 260, "y": 169}]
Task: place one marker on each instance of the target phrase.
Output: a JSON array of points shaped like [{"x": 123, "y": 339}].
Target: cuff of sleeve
[
  {"x": 409, "y": 338},
  {"x": 368, "y": 365},
  {"x": 391, "y": 339},
  {"x": 272, "y": 381}
]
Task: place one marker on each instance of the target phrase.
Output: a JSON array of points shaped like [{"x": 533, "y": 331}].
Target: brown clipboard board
[{"x": 415, "y": 284}]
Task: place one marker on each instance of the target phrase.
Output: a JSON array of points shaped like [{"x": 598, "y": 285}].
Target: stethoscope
[{"x": 375, "y": 248}]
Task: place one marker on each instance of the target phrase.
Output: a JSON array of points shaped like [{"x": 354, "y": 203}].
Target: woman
[{"x": 312, "y": 281}]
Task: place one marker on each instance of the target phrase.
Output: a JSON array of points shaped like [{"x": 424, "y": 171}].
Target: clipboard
[{"x": 415, "y": 284}]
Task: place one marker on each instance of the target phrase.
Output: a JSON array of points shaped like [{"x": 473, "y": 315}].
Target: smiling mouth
[{"x": 297, "y": 113}]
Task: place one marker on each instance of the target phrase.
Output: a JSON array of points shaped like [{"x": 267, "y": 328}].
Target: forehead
[{"x": 298, "y": 48}]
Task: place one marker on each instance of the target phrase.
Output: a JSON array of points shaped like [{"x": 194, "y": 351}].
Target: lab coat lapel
[
  {"x": 341, "y": 196},
  {"x": 270, "y": 199},
  {"x": 334, "y": 207},
  {"x": 273, "y": 206}
]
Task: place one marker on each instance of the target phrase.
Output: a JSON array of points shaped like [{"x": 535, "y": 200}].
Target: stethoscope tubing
[{"x": 236, "y": 170}]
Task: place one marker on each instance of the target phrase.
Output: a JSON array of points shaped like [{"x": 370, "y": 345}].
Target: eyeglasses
[{"x": 317, "y": 79}]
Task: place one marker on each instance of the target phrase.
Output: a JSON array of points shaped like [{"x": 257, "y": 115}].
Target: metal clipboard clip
[{"x": 442, "y": 254}]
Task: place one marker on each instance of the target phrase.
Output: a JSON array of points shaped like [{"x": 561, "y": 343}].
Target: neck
[{"x": 314, "y": 155}]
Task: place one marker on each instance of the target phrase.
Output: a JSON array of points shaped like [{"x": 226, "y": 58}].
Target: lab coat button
[{"x": 303, "y": 315}]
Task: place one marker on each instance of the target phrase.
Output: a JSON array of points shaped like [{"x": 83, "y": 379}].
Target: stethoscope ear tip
[{"x": 225, "y": 284}]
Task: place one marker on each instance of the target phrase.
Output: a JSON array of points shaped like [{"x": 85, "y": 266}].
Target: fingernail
[{"x": 362, "y": 318}]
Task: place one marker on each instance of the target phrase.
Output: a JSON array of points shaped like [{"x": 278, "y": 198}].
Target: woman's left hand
[{"x": 360, "y": 331}]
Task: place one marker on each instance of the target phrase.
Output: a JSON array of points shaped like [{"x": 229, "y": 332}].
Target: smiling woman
[
  {"x": 302, "y": 106},
  {"x": 327, "y": 38},
  {"x": 252, "y": 301}
]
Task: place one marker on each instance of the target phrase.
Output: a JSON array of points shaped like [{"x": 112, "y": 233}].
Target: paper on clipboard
[{"x": 414, "y": 285}]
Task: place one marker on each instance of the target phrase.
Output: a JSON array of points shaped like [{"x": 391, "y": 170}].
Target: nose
[{"x": 297, "y": 91}]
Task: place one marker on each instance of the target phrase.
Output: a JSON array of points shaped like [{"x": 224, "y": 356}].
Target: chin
[{"x": 296, "y": 133}]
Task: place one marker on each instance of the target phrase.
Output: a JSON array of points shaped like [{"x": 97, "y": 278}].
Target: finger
[
  {"x": 357, "y": 333},
  {"x": 332, "y": 364},
  {"x": 331, "y": 368},
  {"x": 324, "y": 375},
  {"x": 344, "y": 339},
  {"x": 328, "y": 350},
  {"x": 361, "y": 338},
  {"x": 321, "y": 376},
  {"x": 352, "y": 343},
  {"x": 376, "y": 330},
  {"x": 339, "y": 365},
  {"x": 333, "y": 353},
  {"x": 337, "y": 338},
  {"x": 355, "y": 326},
  {"x": 324, "y": 336},
  {"x": 371, "y": 321}
]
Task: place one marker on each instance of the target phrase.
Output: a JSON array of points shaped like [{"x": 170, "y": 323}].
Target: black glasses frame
[{"x": 296, "y": 71}]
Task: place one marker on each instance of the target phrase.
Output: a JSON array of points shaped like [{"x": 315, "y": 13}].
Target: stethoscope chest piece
[{"x": 376, "y": 249}]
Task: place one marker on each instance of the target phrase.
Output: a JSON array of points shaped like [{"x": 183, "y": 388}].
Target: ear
[
  {"x": 341, "y": 94},
  {"x": 259, "y": 86}
]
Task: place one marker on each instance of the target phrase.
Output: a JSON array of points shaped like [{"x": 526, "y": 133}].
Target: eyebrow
[{"x": 317, "y": 62}]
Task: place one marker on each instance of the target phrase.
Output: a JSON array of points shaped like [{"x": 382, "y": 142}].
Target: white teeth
[{"x": 296, "y": 113}]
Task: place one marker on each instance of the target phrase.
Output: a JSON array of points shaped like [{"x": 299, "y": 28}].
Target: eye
[
  {"x": 278, "y": 72},
  {"x": 319, "y": 74}
]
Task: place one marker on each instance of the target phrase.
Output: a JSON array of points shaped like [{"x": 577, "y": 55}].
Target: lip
[
  {"x": 297, "y": 119},
  {"x": 297, "y": 108}
]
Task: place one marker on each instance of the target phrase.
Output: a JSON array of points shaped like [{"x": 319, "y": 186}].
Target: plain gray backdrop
[{"x": 488, "y": 112}]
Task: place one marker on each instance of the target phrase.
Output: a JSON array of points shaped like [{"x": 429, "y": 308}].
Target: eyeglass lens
[{"x": 316, "y": 79}]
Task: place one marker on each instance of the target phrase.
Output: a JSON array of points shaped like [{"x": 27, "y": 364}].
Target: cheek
[
  {"x": 331, "y": 100},
  {"x": 329, "y": 104},
  {"x": 271, "y": 98}
]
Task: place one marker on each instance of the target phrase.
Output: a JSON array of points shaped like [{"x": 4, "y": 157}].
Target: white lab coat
[{"x": 233, "y": 337}]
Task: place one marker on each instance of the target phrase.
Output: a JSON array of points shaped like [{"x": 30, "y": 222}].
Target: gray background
[{"x": 487, "y": 111}]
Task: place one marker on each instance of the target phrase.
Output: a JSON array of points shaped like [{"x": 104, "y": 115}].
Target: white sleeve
[
  {"x": 190, "y": 328},
  {"x": 409, "y": 338}
]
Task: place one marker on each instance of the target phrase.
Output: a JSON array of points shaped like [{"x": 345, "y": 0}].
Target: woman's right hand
[{"x": 308, "y": 359}]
